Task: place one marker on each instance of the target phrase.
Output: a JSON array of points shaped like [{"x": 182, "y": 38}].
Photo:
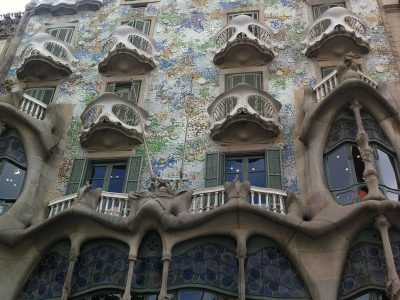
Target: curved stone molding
[
  {"x": 244, "y": 114},
  {"x": 66, "y": 7},
  {"x": 337, "y": 26},
  {"x": 128, "y": 51},
  {"x": 243, "y": 41},
  {"x": 46, "y": 57},
  {"x": 111, "y": 122}
]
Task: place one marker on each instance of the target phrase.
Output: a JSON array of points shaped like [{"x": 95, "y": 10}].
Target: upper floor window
[
  {"x": 62, "y": 33},
  {"x": 110, "y": 176},
  {"x": 254, "y": 79},
  {"x": 42, "y": 94},
  {"x": 325, "y": 71},
  {"x": 129, "y": 90},
  {"x": 141, "y": 25},
  {"x": 252, "y": 14},
  {"x": 318, "y": 10},
  {"x": 12, "y": 168},
  {"x": 344, "y": 166}
]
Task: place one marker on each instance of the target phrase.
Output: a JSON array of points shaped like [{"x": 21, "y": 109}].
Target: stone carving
[
  {"x": 296, "y": 208},
  {"x": 237, "y": 190},
  {"x": 349, "y": 68},
  {"x": 88, "y": 197},
  {"x": 14, "y": 95},
  {"x": 9, "y": 24}
]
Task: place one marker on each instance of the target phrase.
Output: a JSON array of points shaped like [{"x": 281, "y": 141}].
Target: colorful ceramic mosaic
[
  {"x": 270, "y": 274},
  {"x": 105, "y": 264},
  {"x": 47, "y": 279},
  {"x": 184, "y": 31},
  {"x": 208, "y": 264}
]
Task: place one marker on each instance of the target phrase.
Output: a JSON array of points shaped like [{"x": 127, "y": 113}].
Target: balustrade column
[
  {"x": 127, "y": 294},
  {"x": 66, "y": 291},
  {"x": 370, "y": 174},
  {"x": 166, "y": 259},
  {"x": 393, "y": 283}
]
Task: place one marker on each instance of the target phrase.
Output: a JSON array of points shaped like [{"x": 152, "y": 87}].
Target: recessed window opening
[
  {"x": 141, "y": 25},
  {"x": 42, "y": 94},
  {"x": 252, "y": 14},
  {"x": 318, "y": 10},
  {"x": 129, "y": 90},
  {"x": 253, "y": 79},
  {"x": 110, "y": 176}
]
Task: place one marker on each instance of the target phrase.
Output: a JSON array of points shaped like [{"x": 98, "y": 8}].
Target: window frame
[
  {"x": 120, "y": 79},
  {"x": 324, "y": 62},
  {"x": 55, "y": 89},
  {"x": 243, "y": 10},
  {"x": 231, "y": 71},
  {"x": 109, "y": 164},
  {"x": 137, "y": 3},
  {"x": 72, "y": 24},
  {"x": 311, "y": 3},
  {"x": 245, "y": 163},
  {"x": 146, "y": 19}
]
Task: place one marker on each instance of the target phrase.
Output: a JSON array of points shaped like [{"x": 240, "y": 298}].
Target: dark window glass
[
  {"x": 234, "y": 167},
  {"x": 110, "y": 177},
  {"x": 247, "y": 168},
  {"x": 257, "y": 171},
  {"x": 11, "y": 180},
  {"x": 338, "y": 169},
  {"x": 357, "y": 163},
  {"x": 387, "y": 167}
]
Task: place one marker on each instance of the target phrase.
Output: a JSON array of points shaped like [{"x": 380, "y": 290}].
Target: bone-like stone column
[
  {"x": 66, "y": 291},
  {"x": 370, "y": 174},
  {"x": 241, "y": 255},
  {"x": 127, "y": 293},
  {"x": 393, "y": 283},
  {"x": 166, "y": 259}
]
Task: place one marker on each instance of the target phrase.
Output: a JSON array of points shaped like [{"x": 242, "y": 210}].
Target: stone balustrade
[
  {"x": 32, "y": 107},
  {"x": 330, "y": 82},
  {"x": 244, "y": 30},
  {"x": 116, "y": 204},
  {"x": 335, "y": 21}
]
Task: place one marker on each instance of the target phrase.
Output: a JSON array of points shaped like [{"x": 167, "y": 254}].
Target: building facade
[{"x": 197, "y": 149}]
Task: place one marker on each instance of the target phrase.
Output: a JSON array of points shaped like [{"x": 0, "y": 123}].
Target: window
[
  {"x": 253, "y": 79},
  {"x": 372, "y": 295},
  {"x": 42, "y": 94},
  {"x": 318, "y": 10},
  {"x": 344, "y": 166},
  {"x": 113, "y": 176},
  {"x": 262, "y": 170},
  {"x": 141, "y": 25},
  {"x": 12, "y": 168},
  {"x": 138, "y": 3},
  {"x": 62, "y": 33},
  {"x": 129, "y": 90},
  {"x": 196, "y": 295},
  {"x": 325, "y": 71},
  {"x": 253, "y": 14}
]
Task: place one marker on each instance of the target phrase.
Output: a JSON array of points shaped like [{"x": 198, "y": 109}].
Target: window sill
[{"x": 137, "y": 3}]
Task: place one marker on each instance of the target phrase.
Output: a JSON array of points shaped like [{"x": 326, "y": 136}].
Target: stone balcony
[
  {"x": 128, "y": 51},
  {"x": 203, "y": 200},
  {"x": 46, "y": 58},
  {"x": 244, "y": 114},
  {"x": 336, "y": 31},
  {"x": 111, "y": 122},
  {"x": 243, "y": 41},
  {"x": 66, "y": 7},
  {"x": 330, "y": 82}
]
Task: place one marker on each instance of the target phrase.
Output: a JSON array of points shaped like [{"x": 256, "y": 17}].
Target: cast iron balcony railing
[
  {"x": 32, "y": 107},
  {"x": 116, "y": 204},
  {"x": 333, "y": 23},
  {"x": 128, "y": 49},
  {"x": 243, "y": 41},
  {"x": 46, "y": 57},
  {"x": 247, "y": 105},
  {"x": 330, "y": 82},
  {"x": 109, "y": 113}
]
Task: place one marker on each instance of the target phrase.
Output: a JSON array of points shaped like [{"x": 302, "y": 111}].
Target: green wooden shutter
[
  {"x": 273, "y": 168},
  {"x": 134, "y": 172},
  {"x": 77, "y": 175},
  {"x": 215, "y": 169}
]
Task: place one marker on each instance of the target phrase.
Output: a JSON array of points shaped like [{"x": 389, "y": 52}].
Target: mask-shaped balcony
[
  {"x": 128, "y": 51},
  {"x": 336, "y": 31},
  {"x": 244, "y": 114},
  {"x": 66, "y": 7},
  {"x": 111, "y": 122},
  {"x": 46, "y": 58},
  {"x": 243, "y": 41}
]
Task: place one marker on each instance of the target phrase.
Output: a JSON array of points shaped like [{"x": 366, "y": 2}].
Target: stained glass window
[
  {"x": 366, "y": 264},
  {"x": 101, "y": 263},
  {"x": 47, "y": 279},
  {"x": 209, "y": 264},
  {"x": 270, "y": 274}
]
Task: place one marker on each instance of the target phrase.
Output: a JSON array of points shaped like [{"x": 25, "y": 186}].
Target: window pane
[
  {"x": 234, "y": 167},
  {"x": 257, "y": 172},
  {"x": 338, "y": 171},
  {"x": 358, "y": 164},
  {"x": 325, "y": 71},
  {"x": 190, "y": 295},
  {"x": 11, "y": 180},
  {"x": 97, "y": 176},
  {"x": 117, "y": 179},
  {"x": 387, "y": 169}
]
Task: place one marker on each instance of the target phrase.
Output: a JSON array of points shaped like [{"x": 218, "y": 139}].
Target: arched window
[
  {"x": 344, "y": 166},
  {"x": 12, "y": 168}
]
